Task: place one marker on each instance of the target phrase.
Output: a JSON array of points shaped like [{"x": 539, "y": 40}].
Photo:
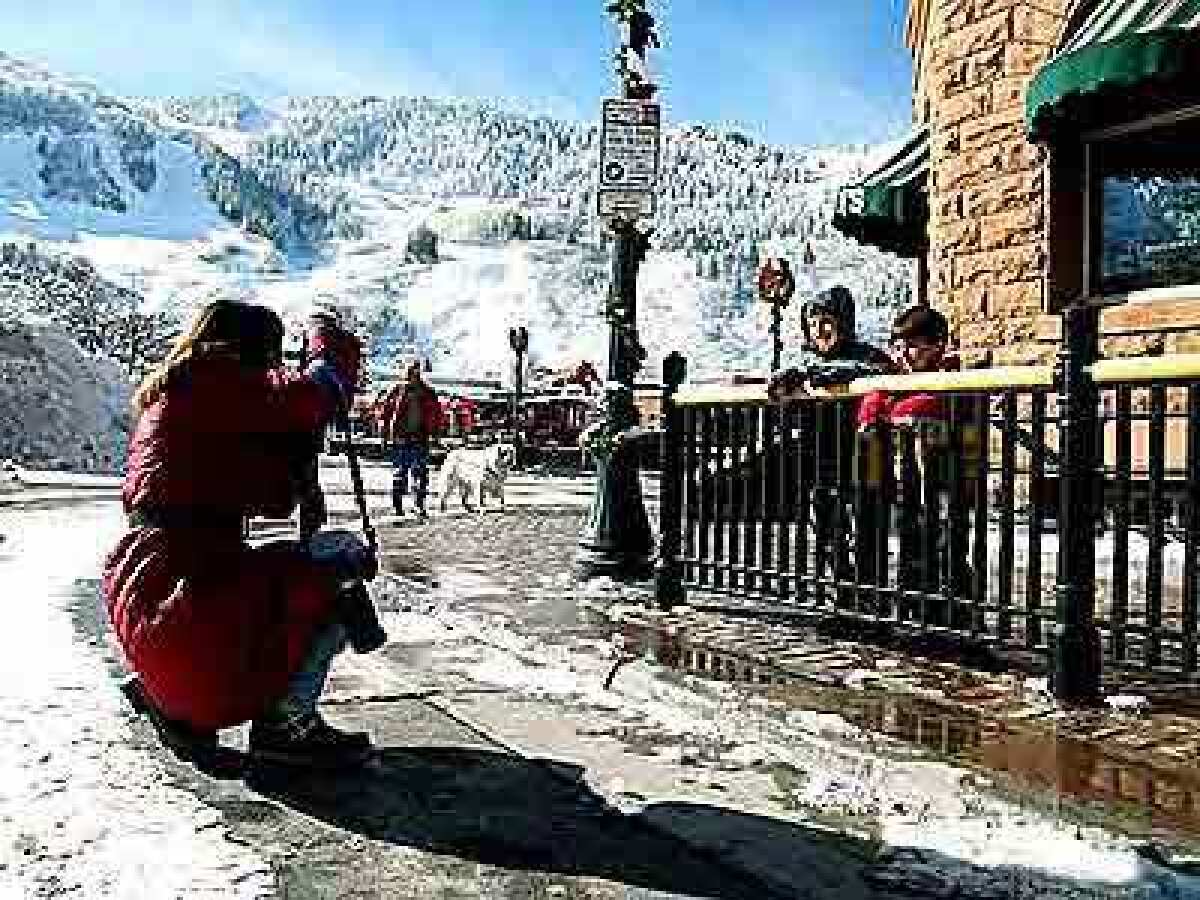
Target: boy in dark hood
[{"x": 831, "y": 354}]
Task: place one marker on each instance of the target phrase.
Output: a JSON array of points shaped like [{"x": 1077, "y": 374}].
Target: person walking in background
[{"x": 412, "y": 417}]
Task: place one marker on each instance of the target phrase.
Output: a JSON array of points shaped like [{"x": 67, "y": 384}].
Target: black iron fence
[{"x": 1050, "y": 513}]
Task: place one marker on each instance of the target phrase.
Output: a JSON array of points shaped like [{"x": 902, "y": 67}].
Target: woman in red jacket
[{"x": 220, "y": 632}]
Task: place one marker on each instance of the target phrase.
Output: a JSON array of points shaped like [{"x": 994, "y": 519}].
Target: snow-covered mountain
[
  {"x": 511, "y": 200},
  {"x": 60, "y": 406},
  {"x": 323, "y": 200}
]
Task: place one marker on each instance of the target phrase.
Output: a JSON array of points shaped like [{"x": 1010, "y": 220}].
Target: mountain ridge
[{"x": 315, "y": 199}]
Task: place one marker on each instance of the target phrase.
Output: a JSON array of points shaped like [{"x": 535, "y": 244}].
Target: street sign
[
  {"x": 630, "y": 138},
  {"x": 628, "y": 205}
]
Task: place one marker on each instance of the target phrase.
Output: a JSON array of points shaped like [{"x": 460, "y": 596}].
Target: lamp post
[
  {"x": 617, "y": 540},
  {"x": 776, "y": 286},
  {"x": 518, "y": 340}
]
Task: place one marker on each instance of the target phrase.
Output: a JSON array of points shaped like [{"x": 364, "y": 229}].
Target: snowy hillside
[
  {"x": 718, "y": 190},
  {"x": 73, "y": 160},
  {"x": 76, "y": 162},
  {"x": 105, "y": 319},
  {"x": 511, "y": 198},
  {"x": 317, "y": 200}
]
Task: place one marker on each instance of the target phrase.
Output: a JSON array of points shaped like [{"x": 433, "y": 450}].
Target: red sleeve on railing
[
  {"x": 917, "y": 408},
  {"x": 873, "y": 409}
]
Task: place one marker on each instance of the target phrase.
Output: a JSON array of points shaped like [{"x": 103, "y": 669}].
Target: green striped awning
[
  {"x": 1109, "y": 49},
  {"x": 889, "y": 208}
]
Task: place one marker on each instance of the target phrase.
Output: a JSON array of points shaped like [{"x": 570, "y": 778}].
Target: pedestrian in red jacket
[
  {"x": 412, "y": 417},
  {"x": 219, "y": 632}
]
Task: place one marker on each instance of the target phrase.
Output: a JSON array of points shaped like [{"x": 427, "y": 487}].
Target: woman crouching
[{"x": 219, "y": 632}]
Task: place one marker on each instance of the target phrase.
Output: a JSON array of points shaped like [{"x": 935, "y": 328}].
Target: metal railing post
[
  {"x": 668, "y": 570},
  {"x": 1076, "y": 667}
]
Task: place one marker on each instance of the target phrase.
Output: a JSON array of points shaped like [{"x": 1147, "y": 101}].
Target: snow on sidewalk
[
  {"x": 840, "y": 774},
  {"x": 82, "y": 808}
]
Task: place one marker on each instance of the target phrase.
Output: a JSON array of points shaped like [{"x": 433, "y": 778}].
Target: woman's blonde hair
[{"x": 251, "y": 334}]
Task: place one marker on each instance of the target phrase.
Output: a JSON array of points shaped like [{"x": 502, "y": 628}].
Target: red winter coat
[
  {"x": 466, "y": 415},
  {"x": 877, "y": 407},
  {"x": 214, "y": 627},
  {"x": 395, "y": 411}
]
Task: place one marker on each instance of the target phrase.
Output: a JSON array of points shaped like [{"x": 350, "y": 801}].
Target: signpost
[
  {"x": 616, "y": 540},
  {"x": 630, "y": 144}
]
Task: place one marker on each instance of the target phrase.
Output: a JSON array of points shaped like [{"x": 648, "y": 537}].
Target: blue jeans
[
  {"x": 411, "y": 457},
  {"x": 308, "y": 682},
  {"x": 341, "y": 552}
]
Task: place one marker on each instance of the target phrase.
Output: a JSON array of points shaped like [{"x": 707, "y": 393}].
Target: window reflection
[
  {"x": 1151, "y": 229},
  {"x": 1149, "y": 208}
]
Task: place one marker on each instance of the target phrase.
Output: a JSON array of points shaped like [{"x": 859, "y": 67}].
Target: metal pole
[
  {"x": 617, "y": 540},
  {"x": 518, "y": 340},
  {"x": 513, "y": 404},
  {"x": 668, "y": 573},
  {"x": 1075, "y": 677},
  {"x": 776, "y": 286},
  {"x": 519, "y": 390},
  {"x": 776, "y": 335},
  {"x": 360, "y": 494}
]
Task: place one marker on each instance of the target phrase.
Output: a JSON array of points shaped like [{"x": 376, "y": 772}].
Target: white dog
[{"x": 476, "y": 473}]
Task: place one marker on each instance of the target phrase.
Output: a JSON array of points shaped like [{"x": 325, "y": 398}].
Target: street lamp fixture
[
  {"x": 518, "y": 340},
  {"x": 776, "y": 286}
]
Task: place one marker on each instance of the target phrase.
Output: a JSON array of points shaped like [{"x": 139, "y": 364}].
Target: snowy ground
[
  {"x": 85, "y": 810},
  {"x": 822, "y": 770},
  {"x": 487, "y": 626}
]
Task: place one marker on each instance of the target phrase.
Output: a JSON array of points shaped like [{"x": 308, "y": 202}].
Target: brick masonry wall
[{"x": 987, "y": 224}]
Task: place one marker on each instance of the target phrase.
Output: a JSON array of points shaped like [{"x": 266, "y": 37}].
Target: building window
[{"x": 1144, "y": 190}]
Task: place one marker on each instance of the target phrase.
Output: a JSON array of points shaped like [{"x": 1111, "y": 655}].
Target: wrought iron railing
[
  {"x": 1146, "y": 572},
  {"x": 1052, "y": 514}
]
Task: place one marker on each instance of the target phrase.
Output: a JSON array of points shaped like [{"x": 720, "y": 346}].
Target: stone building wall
[
  {"x": 988, "y": 249},
  {"x": 989, "y": 246}
]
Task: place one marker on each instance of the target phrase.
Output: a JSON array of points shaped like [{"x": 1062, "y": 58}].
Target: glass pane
[
  {"x": 1151, "y": 232},
  {"x": 1148, "y": 184}
]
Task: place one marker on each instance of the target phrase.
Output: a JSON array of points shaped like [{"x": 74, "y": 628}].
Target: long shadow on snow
[
  {"x": 505, "y": 811},
  {"x": 502, "y": 810},
  {"x": 539, "y": 815}
]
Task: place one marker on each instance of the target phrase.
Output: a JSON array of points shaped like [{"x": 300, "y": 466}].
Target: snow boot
[
  {"x": 356, "y": 612},
  {"x": 308, "y": 743}
]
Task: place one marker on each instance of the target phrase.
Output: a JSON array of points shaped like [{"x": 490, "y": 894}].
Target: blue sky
[{"x": 789, "y": 71}]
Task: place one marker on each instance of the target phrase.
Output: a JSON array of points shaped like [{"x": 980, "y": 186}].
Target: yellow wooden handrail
[
  {"x": 1175, "y": 367},
  {"x": 996, "y": 378},
  {"x": 723, "y": 393}
]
